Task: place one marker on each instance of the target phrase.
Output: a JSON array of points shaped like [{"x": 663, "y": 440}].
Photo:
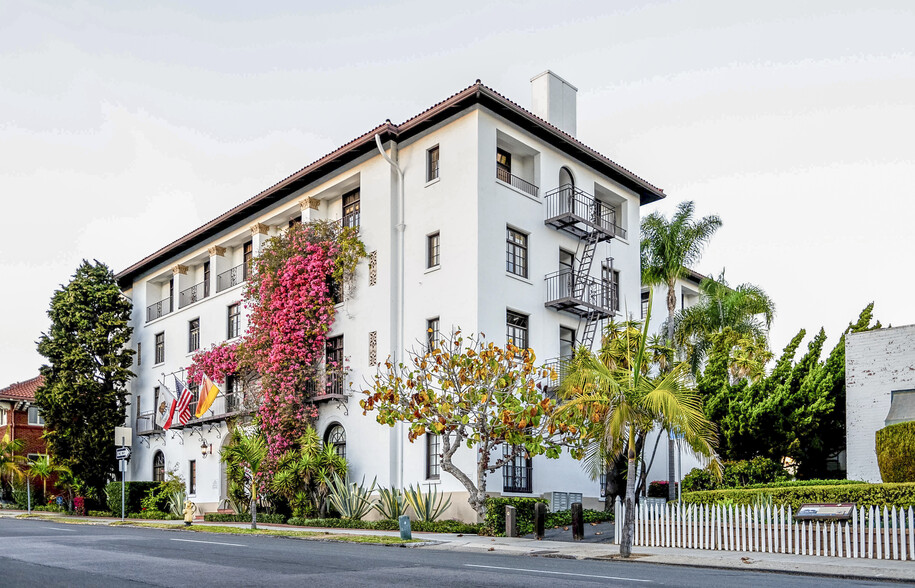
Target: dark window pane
[
  {"x": 516, "y": 329},
  {"x": 516, "y": 253}
]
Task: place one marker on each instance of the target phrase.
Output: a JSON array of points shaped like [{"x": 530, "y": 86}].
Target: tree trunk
[
  {"x": 253, "y": 510},
  {"x": 629, "y": 522},
  {"x": 671, "y": 308},
  {"x": 671, "y": 469}
]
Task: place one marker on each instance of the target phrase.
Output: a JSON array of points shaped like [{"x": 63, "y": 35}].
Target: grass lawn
[{"x": 312, "y": 535}]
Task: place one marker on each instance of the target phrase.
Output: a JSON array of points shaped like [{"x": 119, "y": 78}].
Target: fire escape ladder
[
  {"x": 592, "y": 320},
  {"x": 583, "y": 272}
]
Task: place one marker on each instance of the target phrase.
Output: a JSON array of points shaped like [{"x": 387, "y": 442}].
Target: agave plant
[
  {"x": 176, "y": 502},
  {"x": 351, "y": 500},
  {"x": 391, "y": 503},
  {"x": 428, "y": 505}
]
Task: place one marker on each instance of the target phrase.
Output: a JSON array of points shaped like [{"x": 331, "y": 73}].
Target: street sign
[
  {"x": 122, "y": 452},
  {"x": 122, "y": 436}
]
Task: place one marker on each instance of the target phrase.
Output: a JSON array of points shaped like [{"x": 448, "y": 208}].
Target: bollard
[
  {"x": 405, "y": 532},
  {"x": 539, "y": 519},
  {"x": 511, "y": 522},
  {"x": 578, "y": 522}
]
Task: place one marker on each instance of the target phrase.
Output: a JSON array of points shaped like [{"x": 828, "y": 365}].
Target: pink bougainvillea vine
[{"x": 290, "y": 310}]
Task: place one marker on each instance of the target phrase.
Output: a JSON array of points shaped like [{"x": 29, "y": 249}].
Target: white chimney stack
[{"x": 553, "y": 100}]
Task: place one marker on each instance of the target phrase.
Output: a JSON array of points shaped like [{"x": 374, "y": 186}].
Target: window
[
  {"x": 902, "y": 407},
  {"x": 233, "y": 396},
  {"x": 160, "y": 348},
  {"x": 432, "y": 333},
  {"x": 433, "y": 456},
  {"x": 333, "y": 359},
  {"x": 516, "y": 473},
  {"x": 157, "y": 410},
  {"x": 433, "y": 248},
  {"x": 35, "y": 417},
  {"x": 247, "y": 257},
  {"x": 195, "y": 398},
  {"x": 611, "y": 280},
  {"x": 2, "y": 418},
  {"x": 503, "y": 165},
  {"x": 516, "y": 329},
  {"x": 645, "y": 296},
  {"x": 139, "y": 354},
  {"x": 158, "y": 473},
  {"x": 351, "y": 209},
  {"x": 192, "y": 477},
  {"x": 432, "y": 164},
  {"x": 171, "y": 294},
  {"x": 295, "y": 221},
  {"x": 193, "y": 335},
  {"x": 516, "y": 252},
  {"x": 234, "y": 321},
  {"x": 566, "y": 343},
  {"x": 206, "y": 279},
  {"x": 334, "y": 290},
  {"x": 336, "y": 437}
]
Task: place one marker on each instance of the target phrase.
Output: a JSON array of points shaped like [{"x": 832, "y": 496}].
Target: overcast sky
[{"x": 125, "y": 125}]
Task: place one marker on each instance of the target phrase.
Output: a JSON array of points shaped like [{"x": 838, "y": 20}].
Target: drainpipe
[{"x": 397, "y": 256}]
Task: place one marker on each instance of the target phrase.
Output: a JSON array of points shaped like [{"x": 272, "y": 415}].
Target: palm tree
[
  {"x": 302, "y": 473},
  {"x": 668, "y": 249},
  {"x": 746, "y": 309},
  {"x": 43, "y": 468},
  {"x": 247, "y": 452},
  {"x": 617, "y": 403},
  {"x": 11, "y": 465}
]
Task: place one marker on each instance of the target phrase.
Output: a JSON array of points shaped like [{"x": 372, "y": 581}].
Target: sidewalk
[{"x": 866, "y": 569}]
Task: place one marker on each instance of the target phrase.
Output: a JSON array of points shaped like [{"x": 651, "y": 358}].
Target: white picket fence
[{"x": 869, "y": 534}]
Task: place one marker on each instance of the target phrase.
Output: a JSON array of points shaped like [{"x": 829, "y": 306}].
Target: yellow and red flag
[{"x": 208, "y": 392}]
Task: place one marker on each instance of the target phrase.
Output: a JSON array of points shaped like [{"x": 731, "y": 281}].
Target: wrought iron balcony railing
[
  {"x": 146, "y": 423},
  {"x": 575, "y": 211},
  {"x": 231, "y": 277},
  {"x": 580, "y": 296},
  {"x": 158, "y": 309},
  {"x": 193, "y": 294},
  {"x": 504, "y": 175}
]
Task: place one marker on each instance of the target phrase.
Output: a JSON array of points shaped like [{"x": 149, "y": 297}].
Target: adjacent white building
[
  {"x": 489, "y": 217},
  {"x": 879, "y": 391}
]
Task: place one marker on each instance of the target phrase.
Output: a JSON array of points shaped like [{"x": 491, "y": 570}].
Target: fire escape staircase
[{"x": 579, "y": 214}]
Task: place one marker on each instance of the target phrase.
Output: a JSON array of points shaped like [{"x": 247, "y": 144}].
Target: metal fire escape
[{"x": 581, "y": 215}]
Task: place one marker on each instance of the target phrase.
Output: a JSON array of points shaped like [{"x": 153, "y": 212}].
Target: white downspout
[{"x": 397, "y": 323}]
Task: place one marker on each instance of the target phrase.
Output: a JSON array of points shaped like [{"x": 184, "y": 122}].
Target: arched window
[
  {"x": 158, "y": 467},
  {"x": 336, "y": 436},
  {"x": 565, "y": 178}
]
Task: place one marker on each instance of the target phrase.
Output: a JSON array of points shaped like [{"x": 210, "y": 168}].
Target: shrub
[
  {"x": 350, "y": 500},
  {"x": 391, "y": 503},
  {"x": 449, "y": 526},
  {"x": 134, "y": 492},
  {"x": 21, "y": 496},
  {"x": 524, "y": 513},
  {"x": 859, "y": 493},
  {"x": 737, "y": 474},
  {"x": 562, "y": 518},
  {"x": 428, "y": 505},
  {"x": 658, "y": 489},
  {"x": 270, "y": 519},
  {"x": 895, "y": 448},
  {"x": 156, "y": 515},
  {"x": 100, "y": 513}
]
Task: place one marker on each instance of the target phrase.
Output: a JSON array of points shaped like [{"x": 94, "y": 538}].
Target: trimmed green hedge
[
  {"x": 796, "y": 483},
  {"x": 860, "y": 493},
  {"x": 99, "y": 513},
  {"x": 155, "y": 515},
  {"x": 134, "y": 493},
  {"x": 494, "y": 519},
  {"x": 449, "y": 526},
  {"x": 218, "y": 517},
  {"x": 562, "y": 518},
  {"x": 895, "y": 451}
]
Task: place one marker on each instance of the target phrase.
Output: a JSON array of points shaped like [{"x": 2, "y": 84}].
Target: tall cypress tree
[{"x": 84, "y": 395}]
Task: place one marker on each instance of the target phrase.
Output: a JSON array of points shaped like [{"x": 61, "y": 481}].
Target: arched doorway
[
  {"x": 336, "y": 436},
  {"x": 565, "y": 178},
  {"x": 158, "y": 473},
  {"x": 567, "y": 191}
]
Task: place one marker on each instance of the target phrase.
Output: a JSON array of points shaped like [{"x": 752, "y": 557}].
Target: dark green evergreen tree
[{"x": 84, "y": 394}]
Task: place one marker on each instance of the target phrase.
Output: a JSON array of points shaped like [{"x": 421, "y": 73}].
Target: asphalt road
[{"x": 46, "y": 554}]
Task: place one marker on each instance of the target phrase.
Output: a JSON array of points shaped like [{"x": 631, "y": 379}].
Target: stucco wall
[{"x": 876, "y": 363}]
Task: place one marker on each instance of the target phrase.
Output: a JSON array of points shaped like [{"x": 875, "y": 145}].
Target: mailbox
[{"x": 825, "y": 512}]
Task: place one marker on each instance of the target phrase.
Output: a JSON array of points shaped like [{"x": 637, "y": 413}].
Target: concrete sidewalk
[{"x": 865, "y": 569}]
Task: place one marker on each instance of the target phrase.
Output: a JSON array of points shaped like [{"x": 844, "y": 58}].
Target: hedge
[
  {"x": 494, "y": 519},
  {"x": 895, "y": 451},
  {"x": 99, "y": 513},
  {"x": 562, "y": 518},
  {"x": 134, "y": 493},
  {"x": 217, "y": 517},
  {"x": 795, "y": 483},
  {"x": 154, "y": 515},
  {"x": 448, "y": 526},
  {"x": 860, "y": 493}
]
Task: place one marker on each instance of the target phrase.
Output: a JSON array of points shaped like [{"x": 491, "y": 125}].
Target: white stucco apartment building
[{"x": 502, "y": 222}]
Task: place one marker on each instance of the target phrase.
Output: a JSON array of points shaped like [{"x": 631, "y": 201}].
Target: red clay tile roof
[
  {"x": 21, "y": 390},
  {"x": 477, "y": 93}
]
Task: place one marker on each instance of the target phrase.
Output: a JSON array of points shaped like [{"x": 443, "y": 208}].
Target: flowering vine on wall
[{"x": 291, "y": 309}]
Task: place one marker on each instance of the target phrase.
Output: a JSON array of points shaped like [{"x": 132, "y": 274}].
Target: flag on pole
[
  {"x": 165, "y": 409},
  {"x": 183, "y": 407},
  {"x": 207, "y": 396}
]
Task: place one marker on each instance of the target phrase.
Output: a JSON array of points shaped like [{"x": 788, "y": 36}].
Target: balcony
[
  {"x": 193, "y": 294},
  {"x": 158, "y": 309},
  {"x": 504, "y": 175},
  {"x": 232, "y": 277},
  {"x": 578, "y": 213},
  {"x": 146, "y": 423},
  {"x": 326, "y": 387},
  {"x": 584, "y": 297}
]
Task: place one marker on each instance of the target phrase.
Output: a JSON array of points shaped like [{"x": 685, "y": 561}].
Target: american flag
[{"x": 184, "y": 401}]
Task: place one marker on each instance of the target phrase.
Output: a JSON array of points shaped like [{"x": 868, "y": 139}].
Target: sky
[{"x": 124, "y": 126}]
